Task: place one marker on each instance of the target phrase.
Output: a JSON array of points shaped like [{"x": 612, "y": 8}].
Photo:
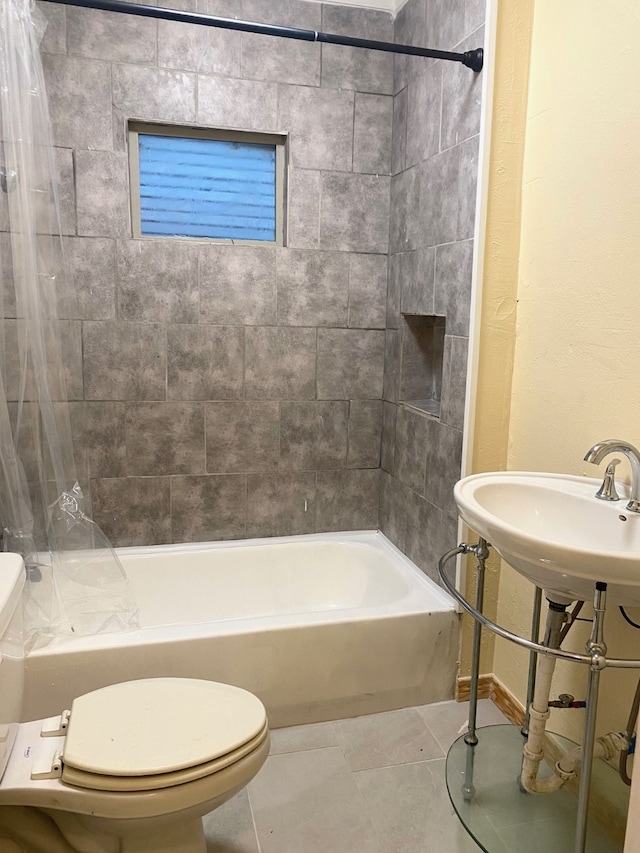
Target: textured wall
[
  {"x": 225, "y": 391},
  {"x": 436, "y": 121},
  {"x": 577, "y": 348}
]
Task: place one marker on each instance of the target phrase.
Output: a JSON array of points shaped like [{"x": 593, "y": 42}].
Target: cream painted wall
[
  {"x": 576, "y": 373},
  {"x": 498, "y": 306}
]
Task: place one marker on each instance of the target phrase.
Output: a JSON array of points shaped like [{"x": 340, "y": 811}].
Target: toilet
[{"x": 129, "y": 768}]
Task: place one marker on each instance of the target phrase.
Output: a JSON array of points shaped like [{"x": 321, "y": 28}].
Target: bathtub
[{"x": 319, "y": 627}]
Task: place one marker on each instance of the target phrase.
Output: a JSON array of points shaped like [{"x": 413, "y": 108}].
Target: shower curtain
[{"x": 75, "y": 583}]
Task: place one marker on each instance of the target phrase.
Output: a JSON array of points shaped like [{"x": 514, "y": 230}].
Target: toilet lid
[{"x": 159, "y": 725}]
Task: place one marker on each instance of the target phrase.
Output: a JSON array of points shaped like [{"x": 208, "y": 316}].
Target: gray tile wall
[
  {"x": 434, "y": 155},
  {"x": 226, "y": 391}
]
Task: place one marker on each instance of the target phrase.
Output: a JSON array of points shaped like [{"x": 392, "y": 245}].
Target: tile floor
[{"x": 372, "y": 784}]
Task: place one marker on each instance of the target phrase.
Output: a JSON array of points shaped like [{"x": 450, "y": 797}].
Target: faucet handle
[{"x": 607, "y": 491}]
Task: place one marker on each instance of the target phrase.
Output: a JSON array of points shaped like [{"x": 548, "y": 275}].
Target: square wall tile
[
  {"x": 358, "y": 69},
  {"x": 280, "y": 363},
  {"x": 28, "y": 438},
  {"x": 237, "y": 285},
  {"x": 189, "y": 47},
  {"x": 444, "y": 461},
  {"x": 79, "y": 96},
  {"x": 467, "y": 188},
  {"x": 410, "y": 27},
  {"x": 392, "y": 509},
  {"x": 165, "y": 438},
  {"x": 153, "y": 94},
  {"x": 367, "y": 291},
  {"x": 63, "y": 355},
  {"x": 313, "y": 287},
  {"x": 399, "y": 134},
  {"x": 101, "y": 35},
  {"x": 391, "y": 380},
  {"x": 9, "y": 307},
  {"x": 320, "y": 126},
  {"x": 454, "y": 381},
  {"x": 372, "y": 134},
  {"x": 350, "y": 364},
  {"x": 54, "y": 39},
  {"x": 280, "y": 60},
  {"x": 70, "y": 336},
  {"x": 461, "y": 97},
  {"x": 388, "y": 443},
  {"x": 474, "y": 14},
  {"x": 243, "y": 436},
  {"x": 303, "y": 217},
  {"x": 354, "y": 213},
  {"x": 240, "y": 104},
  {"x": 454, "y": 266},
  {"x": 158, "y": 281},
  {"x": 205, "y": 362},
  {"x": 102, "y": 187},
  {"x": 423, "y": 114},
  {"x": 281, "y": 504},
  {"x": 133, "y": 510},
  {"x": 208, "y": 508},
  {"x": 412, "y": 441},
  {"x": 365, "y": 431},
  {"x": 404, "y": 223},
  {"x": 124, "y": 361},
  {"x": 417, "y": 271},
  {"x": 347, "y": 500},
  {"x": 446, "y": 23},
  {"x": 100, "y": 437},
  {"x": 92, "y": 265},
  {"x": 439, "y": 179},
  {"x": 313, "y": 435},
  {"x": 362, "y": 23},
  {"x": 394, "y": 291},
  {"x": 429, "y": 533},
  {"x": 283, "y": 13},
  {"x": 46, "y": 217}
]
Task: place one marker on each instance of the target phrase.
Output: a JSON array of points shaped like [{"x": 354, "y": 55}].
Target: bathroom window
[{"x": 218, "y": 185}]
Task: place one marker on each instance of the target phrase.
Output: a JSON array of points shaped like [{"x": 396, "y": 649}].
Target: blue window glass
[{"x": 207, "y": 188}]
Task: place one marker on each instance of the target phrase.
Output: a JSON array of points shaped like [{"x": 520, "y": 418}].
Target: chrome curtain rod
[{"x": 471, "y": 58}]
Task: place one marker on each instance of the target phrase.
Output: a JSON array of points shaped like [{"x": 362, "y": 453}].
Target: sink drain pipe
[
  {"x": 533, "y": 751},
  {"x": 606, "y": 747}
]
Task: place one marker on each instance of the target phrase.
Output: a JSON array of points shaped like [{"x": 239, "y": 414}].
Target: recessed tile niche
[{"x": 421, "y": 362}]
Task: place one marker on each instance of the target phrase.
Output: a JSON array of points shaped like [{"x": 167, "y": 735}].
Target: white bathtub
[{"x": 319, "y": 627}]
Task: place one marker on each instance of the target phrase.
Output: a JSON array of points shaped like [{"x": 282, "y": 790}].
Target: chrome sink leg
[
  {"x": 597, "y": 649},
  {"x": 481, "y": 552},
  {"x": 533, "y": 656}
]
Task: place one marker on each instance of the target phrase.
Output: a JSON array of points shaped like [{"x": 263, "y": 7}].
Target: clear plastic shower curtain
[{"x": 75, "y": 583}]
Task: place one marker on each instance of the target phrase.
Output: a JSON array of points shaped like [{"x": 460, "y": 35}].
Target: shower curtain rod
[{"x": 471, "y": 58}]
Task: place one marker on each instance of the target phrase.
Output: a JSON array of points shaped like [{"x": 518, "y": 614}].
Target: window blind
[{"x": 207, "y": 188}]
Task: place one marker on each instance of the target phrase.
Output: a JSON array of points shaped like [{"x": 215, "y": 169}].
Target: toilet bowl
[{"x": 130, "y": 768}]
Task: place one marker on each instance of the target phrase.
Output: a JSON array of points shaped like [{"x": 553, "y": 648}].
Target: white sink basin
[{"x": 554, "y": 531}]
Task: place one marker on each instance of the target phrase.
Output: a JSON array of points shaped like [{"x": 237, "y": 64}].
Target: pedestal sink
[{"x": 553, "y": 530}]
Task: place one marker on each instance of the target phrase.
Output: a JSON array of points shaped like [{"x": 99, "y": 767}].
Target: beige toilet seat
[
  {"x": 156, "y": 733},
  {"x": 96, "y": 782}
]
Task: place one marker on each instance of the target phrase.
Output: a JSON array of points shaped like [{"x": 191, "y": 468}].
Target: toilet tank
[{"x": 12, "y": 576}]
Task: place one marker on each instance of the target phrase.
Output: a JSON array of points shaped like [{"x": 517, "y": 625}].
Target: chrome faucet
[{"x": 614, "y": 445}]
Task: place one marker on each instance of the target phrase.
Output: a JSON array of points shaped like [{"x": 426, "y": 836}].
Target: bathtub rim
[{"x": 419, "y": 583}]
